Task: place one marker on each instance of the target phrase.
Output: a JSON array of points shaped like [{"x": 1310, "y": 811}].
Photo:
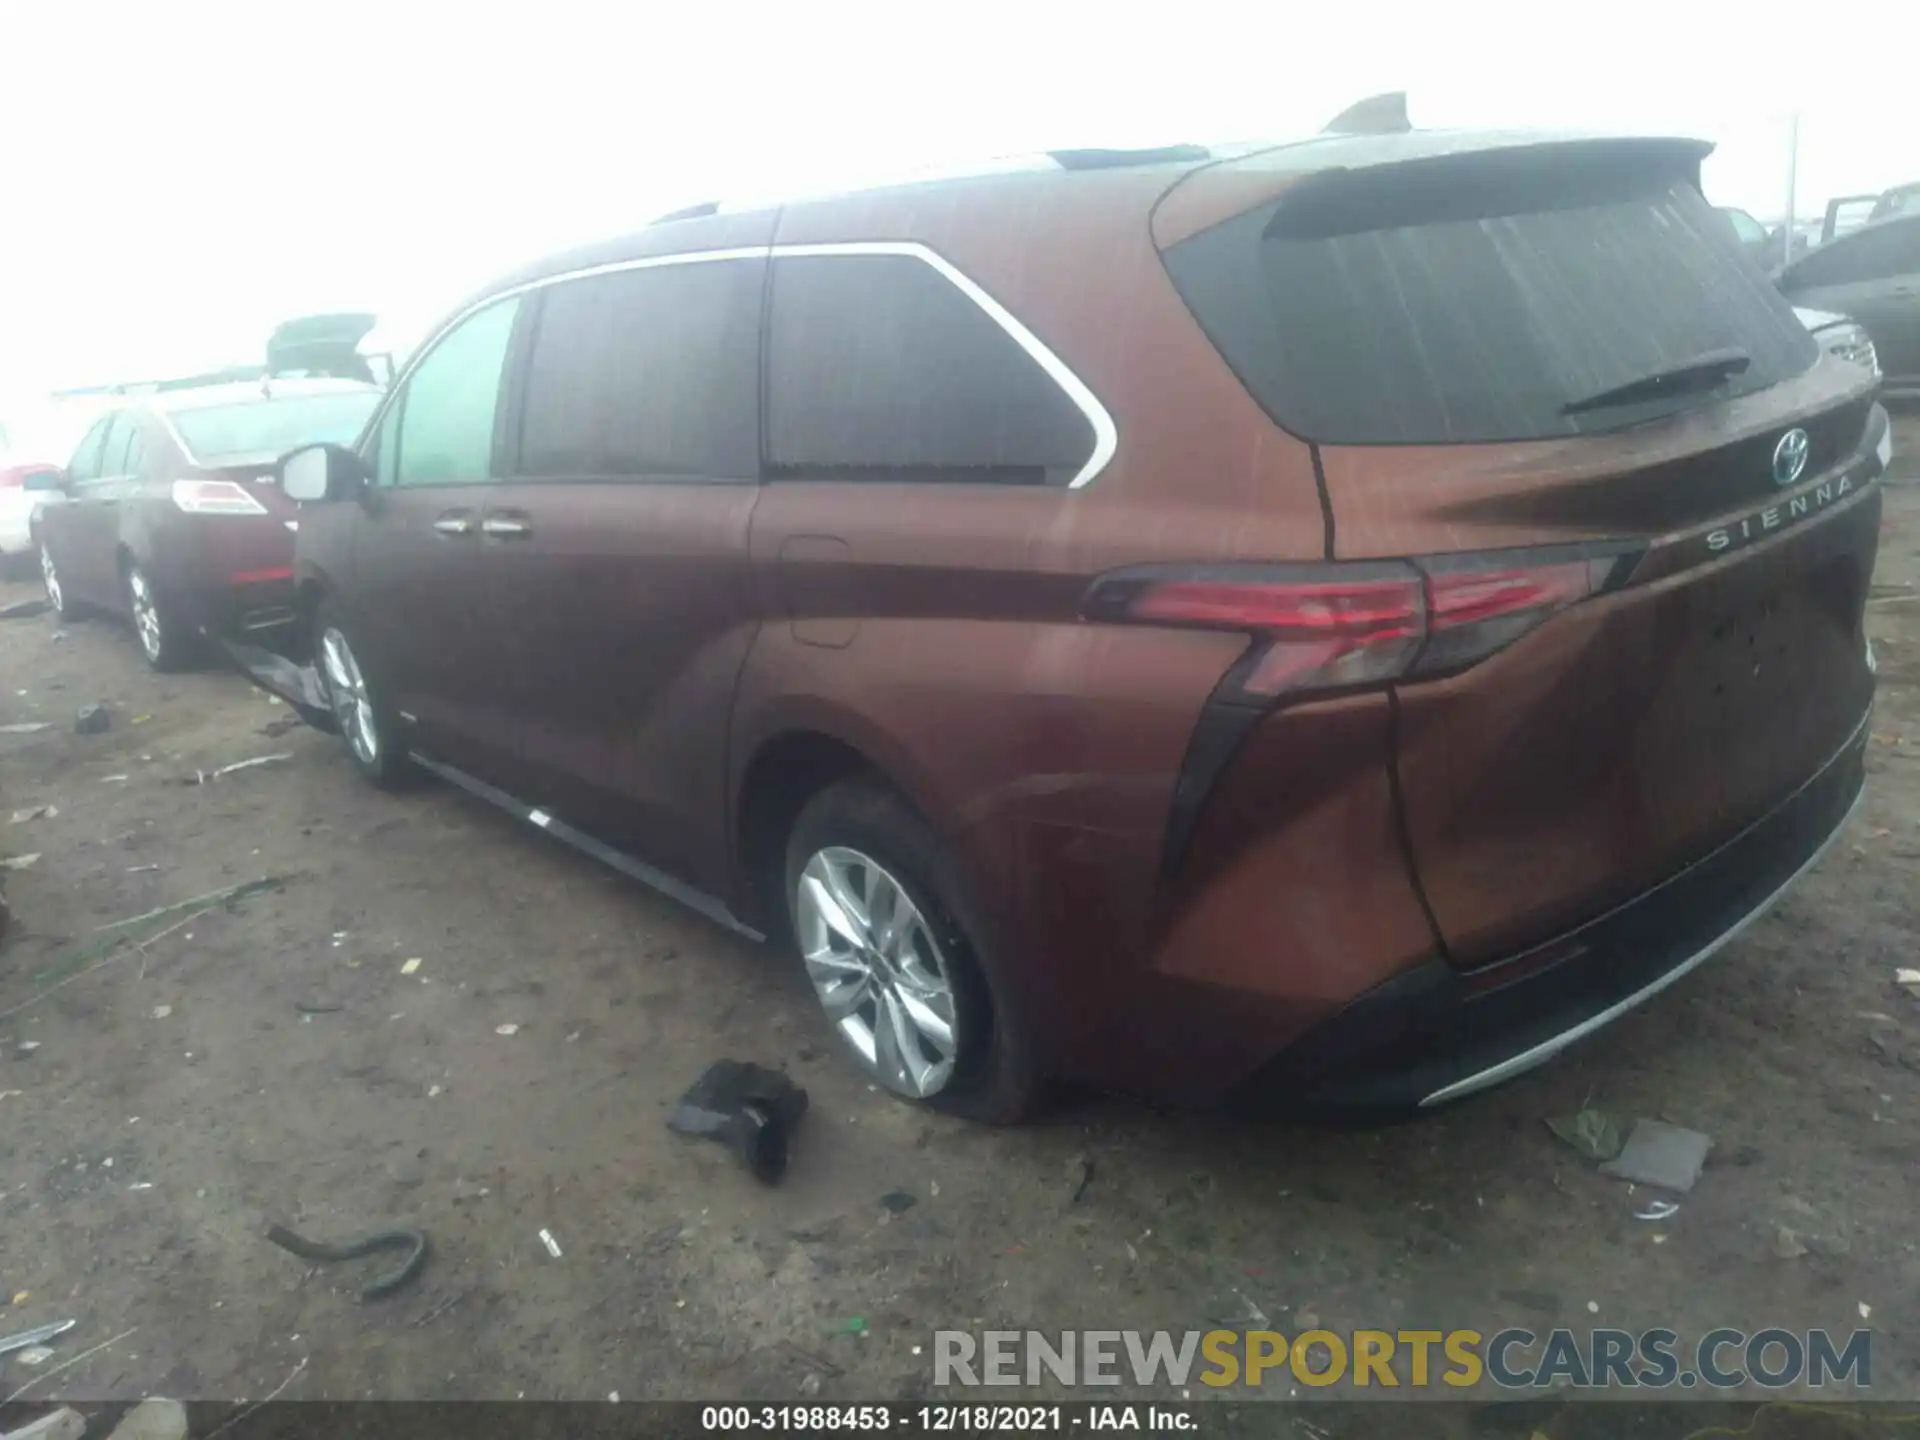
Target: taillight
[
  {"x": 215, "y": 497},
  {"x": 1335, "y": 626},
  {"x": 1478, "y": 605}
]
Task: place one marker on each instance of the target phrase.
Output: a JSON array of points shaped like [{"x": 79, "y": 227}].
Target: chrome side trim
[
  {"x": 694, "y": 899},
  {"x": 1106, "y": 435},
  {"x": 1538, "y": 1055}
]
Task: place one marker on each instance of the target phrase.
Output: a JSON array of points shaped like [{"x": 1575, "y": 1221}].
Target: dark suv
[{"x": 1325, "y": 624}]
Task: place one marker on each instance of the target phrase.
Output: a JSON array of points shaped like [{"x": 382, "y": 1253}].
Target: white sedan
[{"x": 24, "y": 488}]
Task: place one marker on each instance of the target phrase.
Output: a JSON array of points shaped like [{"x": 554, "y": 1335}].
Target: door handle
[
  {"x": 454, "y": 522},
  {"x": 507, "y": 527}
]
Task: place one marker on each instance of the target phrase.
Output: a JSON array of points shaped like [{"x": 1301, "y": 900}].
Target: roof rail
[{"x": 1115, "y": 159}]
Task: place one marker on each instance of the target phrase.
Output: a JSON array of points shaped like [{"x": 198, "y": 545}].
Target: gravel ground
[{"x": 283, "y": 1059}]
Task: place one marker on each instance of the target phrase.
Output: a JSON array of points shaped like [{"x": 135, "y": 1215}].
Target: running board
[{"x": 696, "y": 900}]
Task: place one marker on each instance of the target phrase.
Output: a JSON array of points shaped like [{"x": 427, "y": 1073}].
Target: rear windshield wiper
[{"x": 1703, "y": 372}]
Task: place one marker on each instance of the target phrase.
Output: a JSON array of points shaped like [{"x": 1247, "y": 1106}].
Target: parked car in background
[
  {"x": 329, "y": 345},
  {"x": 174, "y": 516},
  {"x": 1872, "y": 276},
  {"x": 1847, "y": 213},
  {"x": 24, "y": 485},
  {"x": 1220, "y": 623},
  {"x": 1752, "y": 236}
]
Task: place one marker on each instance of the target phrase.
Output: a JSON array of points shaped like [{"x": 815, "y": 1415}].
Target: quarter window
[
  {"x": 882, "y": 368},
  {"x": 445, "y": 432},
  {"x": 85, "y": 464},
  {"x": 648, "y": 372}
]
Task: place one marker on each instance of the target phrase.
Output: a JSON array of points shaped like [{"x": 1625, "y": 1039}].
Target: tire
[
  {"x": 857, "y": 841},
  {"x": 166, "y": 642},
  {"x": 368, "y": 728},
  {"x": 64, "y": 605}
]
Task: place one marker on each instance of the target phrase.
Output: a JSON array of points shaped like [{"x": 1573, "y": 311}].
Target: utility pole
[{"x": 1793, "y": 166}]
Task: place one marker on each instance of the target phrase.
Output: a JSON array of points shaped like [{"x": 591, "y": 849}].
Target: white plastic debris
[
  {"x": 160, "y": 1012},
  {"x": 553, "y": 1245},
  {"x": 1657, "y": 1210},
  {"x": 37, "y": 1355},
  {"x": 510, "y": 1028},
  {"x": 410, "y": 966},
  {"x": 19, "y": 862},
  {"x": 255, "y": 763}
]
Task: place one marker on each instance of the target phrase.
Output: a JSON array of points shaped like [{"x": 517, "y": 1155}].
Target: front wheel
[
  {"x": 876, "y": 912},
  {"x": 365, "y": 724}
]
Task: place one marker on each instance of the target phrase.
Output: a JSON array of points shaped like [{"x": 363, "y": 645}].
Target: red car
[{"x": 173, "y": 514}]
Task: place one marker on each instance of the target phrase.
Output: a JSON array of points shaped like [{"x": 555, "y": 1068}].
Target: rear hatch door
[{"x": 1510, "y": 356}]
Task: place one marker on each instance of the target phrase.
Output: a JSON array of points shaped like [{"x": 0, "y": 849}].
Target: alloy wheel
[
  {"x": 879, "y": 971},
  {"x": 51, "y": 578},
  {"x": 146, "y": 614},
  {"x": 347, "y": 687}
]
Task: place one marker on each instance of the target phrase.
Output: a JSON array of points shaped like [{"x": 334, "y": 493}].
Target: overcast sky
[{"x": 177, "y": 177}]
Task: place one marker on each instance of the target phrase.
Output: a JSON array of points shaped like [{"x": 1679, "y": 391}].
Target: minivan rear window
[
  {"x": 265, "y": 428},
  {"x": 1485, "y": 328}
]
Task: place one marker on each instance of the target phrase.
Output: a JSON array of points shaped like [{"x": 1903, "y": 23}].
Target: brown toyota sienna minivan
[{"x": 1324, "y": 625}]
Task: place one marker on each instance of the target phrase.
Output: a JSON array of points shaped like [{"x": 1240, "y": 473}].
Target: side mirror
[{"x": 315, "y": 473}]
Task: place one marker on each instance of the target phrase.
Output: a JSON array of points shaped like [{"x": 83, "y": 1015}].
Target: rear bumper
[
  {"x": 260, "y": 608},
  {"x": 1435, "y": 1034}
]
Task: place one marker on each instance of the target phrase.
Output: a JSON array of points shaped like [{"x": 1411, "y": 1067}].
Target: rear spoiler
[{"x": 1477, "y": 183}]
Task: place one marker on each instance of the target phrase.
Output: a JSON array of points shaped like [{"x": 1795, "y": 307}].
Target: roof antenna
[{"x": 1376, "y": 115}]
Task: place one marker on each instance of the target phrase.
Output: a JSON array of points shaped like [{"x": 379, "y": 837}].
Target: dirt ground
[{"x": 275, "y": 1060}]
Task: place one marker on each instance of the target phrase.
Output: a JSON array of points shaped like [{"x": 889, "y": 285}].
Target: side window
[
  {"x": 648, "y": 372},
  {"x": 445, "y": 431},
  {"x": 882, "y": 368},
  {"x": 85, "y": 464}
]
